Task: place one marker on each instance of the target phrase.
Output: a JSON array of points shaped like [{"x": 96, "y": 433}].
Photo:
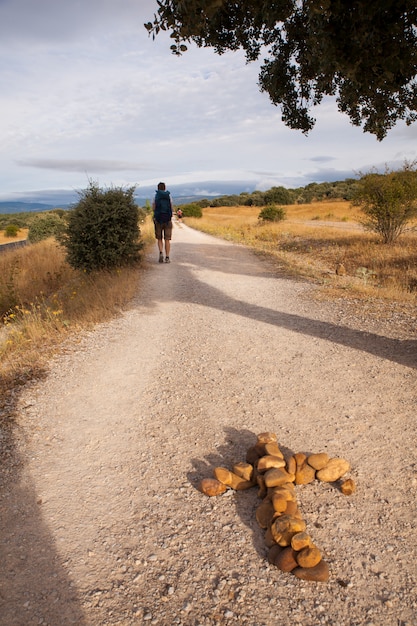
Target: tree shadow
[
  {"x": 225, "y": 258},
  {"x": 34, "y": 586}
]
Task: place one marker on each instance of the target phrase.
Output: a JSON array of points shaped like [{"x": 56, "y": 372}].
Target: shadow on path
[
  {"x": 34, "y": 587},
  {"x": 187, "y": 287}
]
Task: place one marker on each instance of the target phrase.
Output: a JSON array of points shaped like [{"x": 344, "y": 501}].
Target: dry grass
[
  {"x": 315, "y": 239},
  {"x": 21, "y": 236},
  {"x": 43, "y": 301}
]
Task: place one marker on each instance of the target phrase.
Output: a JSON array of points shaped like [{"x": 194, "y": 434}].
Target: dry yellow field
[
  {"x": 316, "y": 239},
  {"x": 21, "y": 235}
]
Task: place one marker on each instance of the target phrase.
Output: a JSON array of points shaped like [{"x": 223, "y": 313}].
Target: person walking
[{"x": 162, "y": 219}]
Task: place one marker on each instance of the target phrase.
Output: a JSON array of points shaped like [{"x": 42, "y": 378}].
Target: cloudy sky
[{"x": 86, "y": 94}]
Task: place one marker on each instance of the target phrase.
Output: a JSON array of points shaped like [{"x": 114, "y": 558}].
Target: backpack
[{"x": 163, "y": 210}]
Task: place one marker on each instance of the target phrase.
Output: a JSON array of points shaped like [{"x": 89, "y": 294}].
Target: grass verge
[{"x": 324, "y": 242}]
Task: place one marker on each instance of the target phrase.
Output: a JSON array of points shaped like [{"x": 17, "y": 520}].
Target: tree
[
  {"x": 45, "y": 225},
  {"x": 389, "y": 201},
  {"x": 362, "y": 51},
  {"x": 103, "y": 230}
]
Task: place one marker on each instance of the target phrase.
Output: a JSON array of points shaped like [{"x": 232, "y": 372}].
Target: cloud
[
  {"x": 75, "y": 165},
  {"x": 86, "y": 91}
]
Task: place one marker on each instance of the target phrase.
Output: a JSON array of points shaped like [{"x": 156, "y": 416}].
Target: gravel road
[{"x": 104, "y": 524}]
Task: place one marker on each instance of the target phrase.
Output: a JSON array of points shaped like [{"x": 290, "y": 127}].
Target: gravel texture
[{"x": 102, "y": 521}]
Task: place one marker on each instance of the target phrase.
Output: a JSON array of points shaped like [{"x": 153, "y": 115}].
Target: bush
[
  {"x": 389, "y": 201},
  {"x": 191, "y": 210},
  {"x": 272, "y": 213},
  {"x": 11, "y": 230},
  {"x": 44, "y": 226},
  {"x": 103, "y": 230}
]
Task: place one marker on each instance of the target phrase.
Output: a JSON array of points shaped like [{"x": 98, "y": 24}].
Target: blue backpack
[{"x": 163, "y": 210}]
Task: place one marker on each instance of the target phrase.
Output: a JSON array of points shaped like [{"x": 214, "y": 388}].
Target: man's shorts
[{"x": 163, "y": 231}]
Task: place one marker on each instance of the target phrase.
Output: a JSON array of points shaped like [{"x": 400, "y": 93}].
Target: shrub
[
  {"x": 272, "y": 213},
  {"x": 103, "y": 230},
  {"x": 11, "y": 230},
  {"x": 191, "y": 210},
  {"x": 389, "y": 201},
  {"x": 45, "y": 225}
]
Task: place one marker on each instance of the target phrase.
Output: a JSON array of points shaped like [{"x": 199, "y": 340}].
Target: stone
[
  {"x": 318, "y": 573},
  {"x": 300, "y": 459},
  {"x": 264, "y": 514},
  {"x": 334, "y": 470},
  {"x": 318, "y": 461},
  {"x": 348, "y": 487},
  {"x": 279, "y": 502},
  {"x": 305, "y": 474},
  {"x": 309, "y": 557},
  {"x": 230, "y": 479},
  {"x": 267, "y": 437},
  {"x": 262, "y": 492},
  {"x": 244, "y": 470},
  {"x": 283, "y": 558},
  {"x": 300, "y": 541},
  {"x": 212, "y": 487},
  {"x": 277, "y": 476},
  {"x": 252, "y": 455},
  {"x": 285, "y": 527},
  {"x": 273, "y": 448},
  {"x": 291, "y": 465},
  {"x": 268, "y": 462},
  {"x": 340, "y": 269}
]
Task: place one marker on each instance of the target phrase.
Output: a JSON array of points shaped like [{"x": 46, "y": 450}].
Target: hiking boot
[
  {"x": 167, "y": 259},
  {"x": 161, "y": 257}
]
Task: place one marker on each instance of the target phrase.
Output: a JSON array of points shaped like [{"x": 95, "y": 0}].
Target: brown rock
[
  {"x": 244, "y": 470},
  {"x": 260, "y": 480},
  {"x": 268, "y": 462},
  {"x": 334, "y": 470},
  {"x": 300, "y": 459},
  {"x": 279, "y": 502},
  {"x": 340, "y": 269},
  {"x": 230, "y": 479},
  {"x": 267, "y": 437},
  {"x": 269, "y": 540},
  {"x": 293, "y": 510},
  {"x": 348, "y": 487},
  {"x": 300, "y": 541},
  {"x": 309, "y": 557},
  {"x": 284, "y": 490},
  {"x": 252, "y": 455},
  {"x": 265, "y": 513},
  {"x": 318, "y": 461},
  {"x": 277, "y": 476},
  {"x": 283, "y": 558},
  {"x": 273, "y": 448},
  {"x": 305, "y": 474},
  {"x": 285, "y": 527},
  {"x": 291, "y": 465},
  {"x": 212, "y": 487},
  {"x": 318, "y": 573}
]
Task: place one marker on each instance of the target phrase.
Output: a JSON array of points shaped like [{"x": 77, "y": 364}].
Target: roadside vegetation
[
  {"x": 44, "y": 300},
  {"x": 317, "y": 240},
  {"x": 84, "y": 266}
]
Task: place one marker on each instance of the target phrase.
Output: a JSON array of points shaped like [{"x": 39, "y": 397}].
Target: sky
[{"x": 87, "y": 95}]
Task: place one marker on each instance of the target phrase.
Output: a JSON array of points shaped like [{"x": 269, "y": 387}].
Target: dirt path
[{"x": 104, "y": 525}]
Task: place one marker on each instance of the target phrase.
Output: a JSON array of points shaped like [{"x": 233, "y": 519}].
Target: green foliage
[
  {"x": 45, "y": 225},
  {"x": 272, "y": 213},
  {"x": 103, "y": 230},
  {"x": 191, "y": 210},
  {"x": 11, "y": 230},
  {"x": 363, "y": 52},
  {"x": 389, "y": 201}
]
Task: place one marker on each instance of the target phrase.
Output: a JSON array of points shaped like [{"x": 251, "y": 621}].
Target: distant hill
[{"x": 24, "y": 207}]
